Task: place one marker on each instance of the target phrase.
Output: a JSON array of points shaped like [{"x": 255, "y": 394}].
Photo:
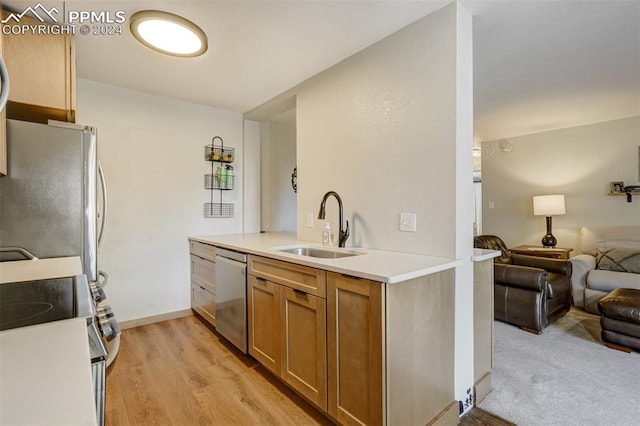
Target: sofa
[{"x": 609, "y": 259}]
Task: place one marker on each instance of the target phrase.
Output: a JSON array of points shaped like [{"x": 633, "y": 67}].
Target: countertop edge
[
  {"x": 40, "y": 269},
  {"x": 439, "y": 263},
  {"x": 42, "y": 354},
  {"x": 482, "y": 254}
]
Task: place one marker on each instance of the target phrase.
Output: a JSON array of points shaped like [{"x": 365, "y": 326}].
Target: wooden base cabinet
[
  {"x": 355, "y": 350},
  {"x": 287, "y": 326},
  {"x": 304, "y": 344},
  {"x": 371, "y": 353},
  {"x": 390, "y": 350},
  {"x": 203, "y": 286},
  {"x": 263, "y": 309}
]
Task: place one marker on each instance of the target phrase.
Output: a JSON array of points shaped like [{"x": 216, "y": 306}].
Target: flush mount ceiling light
[{"x": 168, "y": 33}]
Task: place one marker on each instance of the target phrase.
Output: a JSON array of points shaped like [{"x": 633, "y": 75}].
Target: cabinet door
[
  {"x": 42, "y": 70},
  {"x": 304, "y": 350},
  {"x": 263, "y": 300},
  {"x": 354, "y": 349}
]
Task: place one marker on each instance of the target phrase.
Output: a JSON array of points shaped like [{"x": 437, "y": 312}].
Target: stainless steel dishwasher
[{"x": 231, "y": 296}]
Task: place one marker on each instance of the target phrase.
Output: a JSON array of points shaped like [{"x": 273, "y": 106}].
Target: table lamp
[{"x": 548, "y": 205}]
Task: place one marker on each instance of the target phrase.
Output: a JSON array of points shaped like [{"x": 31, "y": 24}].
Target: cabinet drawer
[
  {"x": 304, "y": 278},
  {"x": 203, "y": 303},
  {"x": 203, "y": 273},
  {"x": 204, "y": 251}
]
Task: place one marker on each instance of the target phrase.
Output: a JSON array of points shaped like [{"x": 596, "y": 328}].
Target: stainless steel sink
[{"x": 319, "y": 252}]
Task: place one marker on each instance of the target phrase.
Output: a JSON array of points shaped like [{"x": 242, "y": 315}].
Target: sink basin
[{"x": 319, "y": 252}]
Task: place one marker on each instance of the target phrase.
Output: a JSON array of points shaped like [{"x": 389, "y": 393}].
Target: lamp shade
[{"x": 548, "y": 205}]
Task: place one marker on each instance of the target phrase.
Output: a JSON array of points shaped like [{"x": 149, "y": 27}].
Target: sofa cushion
[
  {"x": 618, "y": 259},
  {"x": 610, "y": 280},
  {"x": 591, "y": 238}
]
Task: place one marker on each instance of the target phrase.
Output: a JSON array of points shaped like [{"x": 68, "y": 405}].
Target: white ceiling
[{"x": 538, "y": 65}]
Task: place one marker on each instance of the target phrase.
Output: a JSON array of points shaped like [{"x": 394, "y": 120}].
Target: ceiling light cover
[{"x": 168, "y": 33}]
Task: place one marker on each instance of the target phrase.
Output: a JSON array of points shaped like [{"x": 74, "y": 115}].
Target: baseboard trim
[
  {"x": 450, "y": 416},
  {"x": 155, "y": 318},
  {"x": 482, "y": 388}
]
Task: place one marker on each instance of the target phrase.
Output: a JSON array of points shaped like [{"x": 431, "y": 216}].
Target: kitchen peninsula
[{"x": 367, "y": 338}]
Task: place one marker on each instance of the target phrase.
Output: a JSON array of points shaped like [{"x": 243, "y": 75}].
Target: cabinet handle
[
  {"x": 352, "y": 277},
  {"x": 300, "y": 292}
]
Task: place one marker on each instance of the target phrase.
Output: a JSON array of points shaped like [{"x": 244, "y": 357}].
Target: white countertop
[
  {"x": 46, "y": 375},
  {"x": 41, "y": 269},
  {"x": 378, "y": 265},
  {"x": 483, "y": 254}
]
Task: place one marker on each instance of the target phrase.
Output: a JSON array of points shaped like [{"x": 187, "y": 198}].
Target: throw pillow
[{"x": 618, "y": 259}]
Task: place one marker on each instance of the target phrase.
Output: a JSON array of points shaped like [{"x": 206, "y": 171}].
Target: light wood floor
[{"x": 181, "y": 372}]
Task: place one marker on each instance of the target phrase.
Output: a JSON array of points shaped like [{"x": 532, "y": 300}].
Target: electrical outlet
[
  {"x": 408, "y": 222},
  {"x": 309, "y": 220},
  {"x": 492, "y": 205}
]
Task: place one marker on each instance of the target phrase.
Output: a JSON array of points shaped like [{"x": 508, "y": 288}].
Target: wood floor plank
[{"x": 181, "y": 372}]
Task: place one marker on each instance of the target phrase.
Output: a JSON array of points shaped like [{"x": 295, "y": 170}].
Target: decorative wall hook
[{"x": 294, "y": 180}]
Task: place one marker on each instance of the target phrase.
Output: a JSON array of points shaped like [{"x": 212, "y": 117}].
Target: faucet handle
[{"x": 345, "y": 234}]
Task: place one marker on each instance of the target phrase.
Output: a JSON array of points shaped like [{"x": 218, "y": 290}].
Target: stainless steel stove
[{"x": 36, "y": 301}]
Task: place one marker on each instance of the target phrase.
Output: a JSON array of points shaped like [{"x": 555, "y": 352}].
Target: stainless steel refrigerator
[{"x": 49, "y": 198}]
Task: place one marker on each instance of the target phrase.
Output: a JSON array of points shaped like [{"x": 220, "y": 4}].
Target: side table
[{"x": 539, "y": 251}]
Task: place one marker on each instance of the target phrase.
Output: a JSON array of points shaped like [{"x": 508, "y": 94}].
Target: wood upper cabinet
[
  {"x": 42, "y": 73},
  {"x": 355, "y": 350},
  {"x": 287, "y": 326},
  {"x": 3, "y": 143},
  {"x": 203, "y": 286},
  {"x": 3, "y": 127}
]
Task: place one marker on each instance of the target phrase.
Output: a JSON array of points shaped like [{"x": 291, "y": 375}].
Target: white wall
[
  {"x": 391, "y": 130},
  {"x": 464, "y": 209},
  {"x": 251, "y": 180},
  {"x": 579, "y": 162},
  {"x": 380, "y": 129},
  {"x": 278, "y": 203},
  {"x": 152, "y": 151}
]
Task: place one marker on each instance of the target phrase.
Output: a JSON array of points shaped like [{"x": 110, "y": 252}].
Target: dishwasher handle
[{"x": 233, "y": 255}]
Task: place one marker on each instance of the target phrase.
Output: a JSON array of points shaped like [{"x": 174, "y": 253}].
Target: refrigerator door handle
[
  {"x": 105, "y": 278},
  {"x": 102, "y": 215}
]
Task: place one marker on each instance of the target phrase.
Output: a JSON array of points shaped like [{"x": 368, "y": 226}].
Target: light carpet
[{"x": 564, "y": 376}]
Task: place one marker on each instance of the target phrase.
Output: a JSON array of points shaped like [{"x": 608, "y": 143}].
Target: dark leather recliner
[{"x": 529, "y": 292}]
